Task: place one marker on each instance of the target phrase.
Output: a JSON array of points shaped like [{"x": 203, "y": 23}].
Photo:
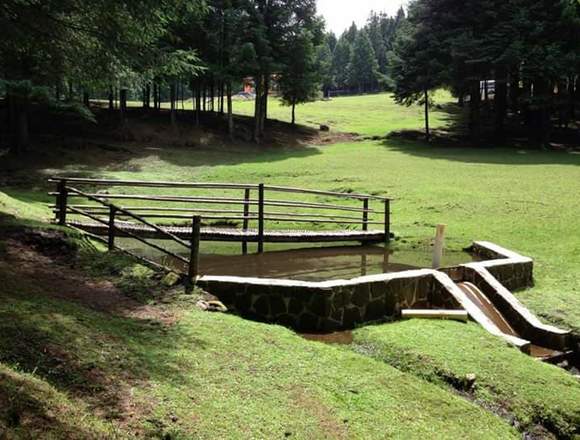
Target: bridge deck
[{"x": 234, "y": 235}]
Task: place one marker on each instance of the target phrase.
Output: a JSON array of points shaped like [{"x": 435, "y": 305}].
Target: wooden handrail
[
  {"x": 201, "y": 185},
  {"x": 246, "y": 209},
  {"x": 289, "y": 189},
  {"x": 208, "y": 211},
  {"x": 134, "y": 216},
  {"x": 153, "y": 184},
  {"x": 130, "y": 234},
  {"x": 223, "y": 201}
]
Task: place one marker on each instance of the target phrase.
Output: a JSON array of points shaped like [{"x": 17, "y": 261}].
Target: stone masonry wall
[{"x": 329, "y": 306}]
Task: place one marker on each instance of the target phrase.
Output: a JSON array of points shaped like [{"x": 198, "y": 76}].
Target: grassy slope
[
  {"x": 444, "y": 352},
  {"x": 37, "y": 409},
  {"x": 526, "y": 201},
  {"x": 514, "y": 198},
  {"x": 371, "y": 115},
  {"x": 217, "y": 376}
]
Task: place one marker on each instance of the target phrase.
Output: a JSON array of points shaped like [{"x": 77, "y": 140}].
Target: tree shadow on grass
[
  {"x": 501, "y": 155},
  {"x": 91, "y": 355}
]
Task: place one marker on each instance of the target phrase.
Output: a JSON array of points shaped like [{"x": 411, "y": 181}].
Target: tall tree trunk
[
  {"x": 86, "y": 98},
  {"x": 147, "y": 96},
  {"x": 212, "y": 95},
  {"x": 475, "y": 112},
  {"x": 293, "y": 113},
  {"x": 18, "y": 124},
  {"x": 266, "y": 95},
  {"x": 23, "y": 139},
  {"x": 573, "y": 93},
  {"x": 500, "y": 101},
  {"x": 172, "y": 98},
  {"x": 230, "y": 110},
  {"x": 427, "y": 129},
  {"x": 259, "y": 107},
  {"x": 543, "y": 90},
  {"x": 515, "y": 91},
  {"x": 155, "y": 97},
  {"x": 111, "y": 99},
  {"x": 198, "y": 103},
  {"x": 123, "y": 105},
  {"x": 222, "y": 88}
]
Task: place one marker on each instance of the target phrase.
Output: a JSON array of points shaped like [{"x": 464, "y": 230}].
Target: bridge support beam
[{"x": 193, "y": 269}]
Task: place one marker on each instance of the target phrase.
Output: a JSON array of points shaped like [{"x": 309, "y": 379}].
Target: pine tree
[
  {"x": 363, "y": 66},
  {"x": 300, "y": 79},
  {"x": 341, "y": 61}
]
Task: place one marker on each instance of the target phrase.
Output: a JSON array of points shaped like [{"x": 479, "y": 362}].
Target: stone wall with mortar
[
  {"x": 332, "y": 305},
  {"x": 496, "y": 278},
  {"x": 511, "y": 269}
]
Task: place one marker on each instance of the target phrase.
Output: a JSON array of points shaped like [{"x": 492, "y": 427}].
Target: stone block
[
  {"x": 319, "y": 305},
  {"x": 277, "y": 305},
  {"x": 261, "y": 305},
  {"x": 295, "y": 306},
  {"x": 352, "y": 316},
  {"x": 361, "y": 295},
  {"x": 375, "y": 310},
  {"x": 308, "y": 322}
]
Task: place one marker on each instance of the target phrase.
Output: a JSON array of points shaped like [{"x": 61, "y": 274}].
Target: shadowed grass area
[
  {"x": 31, "y": 408},
  {"x": 217, "y": 376},
  {"x": 448, "y": 353}
]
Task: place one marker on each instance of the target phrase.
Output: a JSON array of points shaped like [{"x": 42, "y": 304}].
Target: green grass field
[
  {"x": 256, "y": 381},
  {"x": 372, "y": 115}
]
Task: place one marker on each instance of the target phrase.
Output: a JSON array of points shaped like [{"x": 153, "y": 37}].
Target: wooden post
[
  {"x": 62, "y": 202},
  {"x": 111, "y": 240},
  {"x": 246, "y": 218},
  {"x": 438, "y": 247},
  {"x": 387, "y": 221},
  {"x": 365, "y": 218},
  {"x": 193, "y": 271},
  {"x": 261, "y": 218}
]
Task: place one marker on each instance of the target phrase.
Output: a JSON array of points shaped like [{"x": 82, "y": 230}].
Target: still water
[{"x": 308, "y": 264}]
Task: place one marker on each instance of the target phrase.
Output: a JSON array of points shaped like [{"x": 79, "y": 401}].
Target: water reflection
[{"x": 315, "y": 264}]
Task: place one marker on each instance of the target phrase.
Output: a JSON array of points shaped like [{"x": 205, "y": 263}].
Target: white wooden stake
[{"x": 438, "y": 247}]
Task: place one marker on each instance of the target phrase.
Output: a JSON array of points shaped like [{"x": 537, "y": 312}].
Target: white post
[{"x": 438, "y": 247}]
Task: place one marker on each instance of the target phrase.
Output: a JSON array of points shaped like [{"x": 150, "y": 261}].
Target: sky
[{"x": 340, "y": 14}]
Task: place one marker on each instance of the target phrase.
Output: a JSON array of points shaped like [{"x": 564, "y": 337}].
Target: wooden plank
[{"x": 237, "y": 235}]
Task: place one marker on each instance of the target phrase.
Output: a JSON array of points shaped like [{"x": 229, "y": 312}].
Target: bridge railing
[
  {"x": 246, "y": 206},
  {"x": 115, "y": 211}
]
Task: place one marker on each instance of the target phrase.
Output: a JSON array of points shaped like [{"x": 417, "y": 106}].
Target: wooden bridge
[{"x": 224, "y": 212}]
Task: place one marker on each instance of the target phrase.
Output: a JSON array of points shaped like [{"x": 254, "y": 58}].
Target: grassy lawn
[
  {"x": 207, "y": 376},
  {"x": 371, "y": 115},
  {"x": 212, "y": 375},
  {"x": 524, "y": 200},
  {"x": 448, "y": 353}
]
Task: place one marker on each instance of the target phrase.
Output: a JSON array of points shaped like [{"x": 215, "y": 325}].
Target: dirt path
[{"x": 56, "y": 276}]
